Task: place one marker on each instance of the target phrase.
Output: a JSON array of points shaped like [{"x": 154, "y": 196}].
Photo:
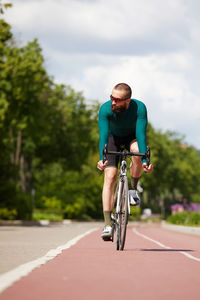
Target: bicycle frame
[{"x": 122, "y": 178}]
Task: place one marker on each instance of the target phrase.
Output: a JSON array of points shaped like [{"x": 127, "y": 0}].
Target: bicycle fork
[{"x": 123, "y": 181}]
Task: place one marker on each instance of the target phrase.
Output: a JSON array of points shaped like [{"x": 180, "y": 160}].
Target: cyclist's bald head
[{"x": 124, "y": 89}]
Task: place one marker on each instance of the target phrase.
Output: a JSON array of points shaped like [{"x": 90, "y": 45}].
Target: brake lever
[
  {"x": 148, "y": 156},
  {"x": 105, "y": 150}
]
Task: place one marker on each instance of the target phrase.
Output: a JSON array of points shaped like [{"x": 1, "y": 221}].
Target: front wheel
[
  {"x": 123, "y": 216},
  {"x": 118, "y": 197}
]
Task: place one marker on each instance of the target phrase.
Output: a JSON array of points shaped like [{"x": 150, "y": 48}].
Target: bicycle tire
[
  {"x": 123, "y": 216},
  {"x": 113, "y": 231},
  {"x": 117, "y": 215}
]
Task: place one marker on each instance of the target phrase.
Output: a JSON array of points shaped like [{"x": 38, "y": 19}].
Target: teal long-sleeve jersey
[{"x": 132, "y": 121}]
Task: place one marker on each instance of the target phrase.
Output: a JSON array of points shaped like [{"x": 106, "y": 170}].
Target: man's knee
[
  {"x": 110, "y": 175},
  {"x": 136, "y": 160},
  {"x": 134, "y": 147}
]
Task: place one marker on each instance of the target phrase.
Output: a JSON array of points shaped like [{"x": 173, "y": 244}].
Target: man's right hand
[{"x": 101, "y": 166}]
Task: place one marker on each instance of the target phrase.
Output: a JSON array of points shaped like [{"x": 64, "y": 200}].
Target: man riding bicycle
[{"x": 122, "y": 122}]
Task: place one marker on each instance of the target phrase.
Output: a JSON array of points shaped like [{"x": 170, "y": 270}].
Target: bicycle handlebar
[{"x": 124, "y": 153}]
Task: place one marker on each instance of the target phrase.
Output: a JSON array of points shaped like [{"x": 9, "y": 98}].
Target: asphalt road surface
[
  {"x": 156, "y": 264},
  {"x": 21, "y": 244}
]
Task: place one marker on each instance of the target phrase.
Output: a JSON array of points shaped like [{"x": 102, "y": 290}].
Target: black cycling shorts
[{"x": 115, "y": 143}]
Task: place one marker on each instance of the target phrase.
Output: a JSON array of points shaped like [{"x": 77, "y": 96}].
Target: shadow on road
[{"x": 167, "y": 250}]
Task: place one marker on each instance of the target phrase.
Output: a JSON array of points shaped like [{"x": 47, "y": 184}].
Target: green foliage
[
  {"x": 135, "y": 213},
  {"x": 185, "y": 218},
  {"x": 43, "y": 215},
  {"x": 23, "y": 206},
  {"x": 79, "y": 192},
  {"x": 75, "y": 210},
  {"x": 51, "y": 204},
  {"x": 6, "y": 214},
  {"x": 176, "y": 172},
  {"x": 4, "y": 6}
]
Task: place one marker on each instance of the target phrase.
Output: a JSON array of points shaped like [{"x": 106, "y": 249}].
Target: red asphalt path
[{"x": 93, "y": 269}]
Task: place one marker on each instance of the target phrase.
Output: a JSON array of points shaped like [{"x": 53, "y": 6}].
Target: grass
[{"x": 47, "y": 216}]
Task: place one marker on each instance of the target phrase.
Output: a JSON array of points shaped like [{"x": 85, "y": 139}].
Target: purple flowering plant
[{"x": 186, "y": 206}]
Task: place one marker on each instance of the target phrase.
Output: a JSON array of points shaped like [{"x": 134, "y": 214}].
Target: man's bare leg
[
  {"x": 110, "y": 175},
  {"x": 136, "y": 165}
]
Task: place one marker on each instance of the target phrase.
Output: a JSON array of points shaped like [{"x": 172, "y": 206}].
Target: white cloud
[{"x": 119, "y": 23}]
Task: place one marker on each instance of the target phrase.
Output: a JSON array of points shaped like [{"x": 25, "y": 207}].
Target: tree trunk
[
  {"x": 19, "y": 145},
  {"x": 12, "y": 155}
]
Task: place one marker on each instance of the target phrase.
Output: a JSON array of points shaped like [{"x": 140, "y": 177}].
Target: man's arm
[
  {"x": 141, "y": 125},
  {"x": 103, "y": 129}
]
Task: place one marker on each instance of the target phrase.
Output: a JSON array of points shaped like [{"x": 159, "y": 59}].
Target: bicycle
[{"x": 121, "y": 196}]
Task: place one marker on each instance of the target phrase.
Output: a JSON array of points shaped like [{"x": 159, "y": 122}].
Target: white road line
[
  {"x": 163, "y": 246},
  {"x": 7, "y": 279}
]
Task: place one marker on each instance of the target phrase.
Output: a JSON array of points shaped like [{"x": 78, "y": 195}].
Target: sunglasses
[{"x": 118, "y": 100}]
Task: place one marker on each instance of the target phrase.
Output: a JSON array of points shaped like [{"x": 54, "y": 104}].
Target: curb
[
  {"x": 181, "y": 228},
  {"x": 33, "y": 223}
]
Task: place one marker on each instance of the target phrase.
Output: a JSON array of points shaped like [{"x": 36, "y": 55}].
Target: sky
[{"x": 151, "y": 45}]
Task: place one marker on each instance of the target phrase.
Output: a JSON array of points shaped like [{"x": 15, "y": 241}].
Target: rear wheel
[
  {"x": 113, "y": 231},
  {"x": 118, "y": 234}
]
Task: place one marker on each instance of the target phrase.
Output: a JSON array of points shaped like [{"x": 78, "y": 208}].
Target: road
[
  {"x": 156, "y": 264},
  {"x": 21, "y": 244}
]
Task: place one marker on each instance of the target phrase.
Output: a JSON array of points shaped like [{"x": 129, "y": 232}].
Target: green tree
[
  {"x": 69, "y": 124},
  {"x": 4, "y": 6},
  {"x": 23, "y": 79},
  {"x": 176, "y": 171}
]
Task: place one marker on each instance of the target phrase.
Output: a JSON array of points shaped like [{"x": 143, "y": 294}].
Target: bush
[
  {"x": 51, "y": 204},
  {"x": 135, "y": 213},
  {"x": 77, "y": 210},
  {"x": 42, "y": 215},
  {"x": 8, "y": 214},
  {"x": 185, "y": 218},
  {"x": 23, "y": 206}
]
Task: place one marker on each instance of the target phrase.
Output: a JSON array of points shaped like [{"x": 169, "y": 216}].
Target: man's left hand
[{"x": 147, "y": 169}]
